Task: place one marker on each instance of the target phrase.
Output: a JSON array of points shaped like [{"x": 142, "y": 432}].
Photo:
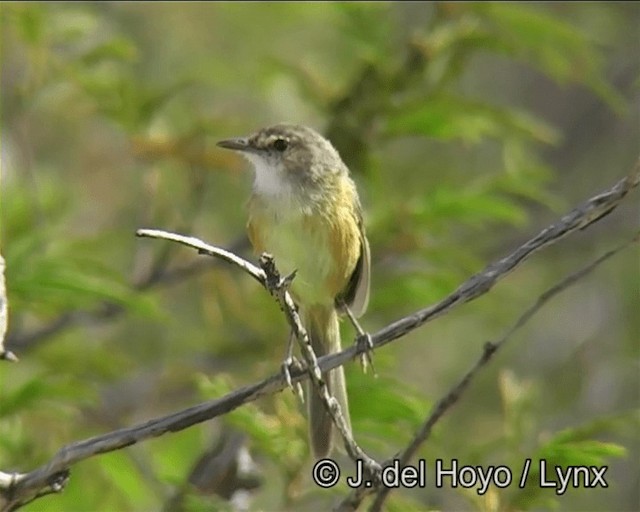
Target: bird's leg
[
  {"x": 363, "y": 341},
  {"x": 290, "y": 362}
]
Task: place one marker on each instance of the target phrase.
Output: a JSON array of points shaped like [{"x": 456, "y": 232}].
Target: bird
[{"x": 305, "y": 211}]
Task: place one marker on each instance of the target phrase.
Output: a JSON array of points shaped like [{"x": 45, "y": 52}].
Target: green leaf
[
  {"x": 52, "y": 279},
  {"x": 449, "y": 117},
  {"x": 580, "y": 453},
  {"x": 576, "y": 445}
]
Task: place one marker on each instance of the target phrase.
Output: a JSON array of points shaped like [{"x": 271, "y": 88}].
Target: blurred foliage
[{"x": 468, "y": 127}]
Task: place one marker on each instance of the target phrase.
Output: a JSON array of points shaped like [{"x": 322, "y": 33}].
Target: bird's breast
[{"x": 299, "y": 241}]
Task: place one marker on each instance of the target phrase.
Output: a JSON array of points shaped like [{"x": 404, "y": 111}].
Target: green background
[{"x": 468, "y": 127}]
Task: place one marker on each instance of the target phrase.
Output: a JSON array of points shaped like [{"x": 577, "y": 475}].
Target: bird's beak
[{"x": 237, "y": 144}]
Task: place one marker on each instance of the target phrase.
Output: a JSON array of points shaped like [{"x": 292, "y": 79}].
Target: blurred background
[{"x": 469, "y": 127}]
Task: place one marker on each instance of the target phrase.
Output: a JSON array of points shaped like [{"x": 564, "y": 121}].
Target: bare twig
[
  {"x": 269, "y": 277},
  {"x": 579, "y": 218},
  {"x": 25, "y": 486},
  {"x": 204, "y": 248},
  {"x": 489, "y": 350},
  {"x": 278, "y": 288}
]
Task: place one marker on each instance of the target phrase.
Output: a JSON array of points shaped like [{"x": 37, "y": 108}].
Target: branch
[
  {"x": 210, "y": 250},
  {"x": 579, "y": 218},
  {"x": 23, "y": 487},
  {"x": 18, "y": 489},
  {"x": 269, "y": 277},
  {"x": 278, "y": 288},
  {"x": 489, "y": 350}
]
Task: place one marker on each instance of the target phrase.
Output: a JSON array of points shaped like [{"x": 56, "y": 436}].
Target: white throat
[{"x": 269, "y": 180}]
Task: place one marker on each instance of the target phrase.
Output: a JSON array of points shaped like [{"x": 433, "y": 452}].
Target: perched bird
[{"x": 305, "y": 211}]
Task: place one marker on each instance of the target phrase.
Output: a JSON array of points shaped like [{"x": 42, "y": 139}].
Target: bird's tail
[{"x": 324, "y": 332}]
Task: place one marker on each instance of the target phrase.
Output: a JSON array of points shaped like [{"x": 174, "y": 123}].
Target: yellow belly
[{"x": 298, "y": 243}]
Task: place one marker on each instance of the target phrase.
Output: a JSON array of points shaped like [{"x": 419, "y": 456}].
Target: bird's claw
[
  {"x": 287, "y": 280},
  {"x": 291, "y": 363},
  {"x": 365, "y": 346}
]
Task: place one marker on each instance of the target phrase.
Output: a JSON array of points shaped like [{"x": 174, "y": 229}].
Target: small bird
[{"x": 305, "y": 211}]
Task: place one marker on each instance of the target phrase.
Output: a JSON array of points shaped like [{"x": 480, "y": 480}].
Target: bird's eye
[{"x": 280, "y": 144}]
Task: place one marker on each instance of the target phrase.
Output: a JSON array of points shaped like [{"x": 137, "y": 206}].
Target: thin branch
[
  {"x": 73, "y": 453},
  {"x": 21, "y": 488},
  {"x": 204, "y": 248},
  {"x": 489, "y": 350},
  {"x": 579, "y": 218},
  {"x": 269, "y": 277},
  {"x": 278, "y": 289}
]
